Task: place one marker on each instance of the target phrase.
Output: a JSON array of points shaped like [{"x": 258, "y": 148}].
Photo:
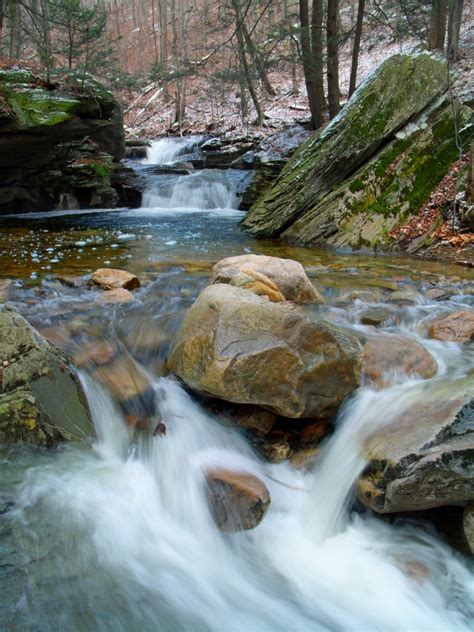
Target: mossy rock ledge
[
  {"x": 61, "y": 141},
  {"x": 41, "y": 400},
  {"x": 373, "y": 166}
]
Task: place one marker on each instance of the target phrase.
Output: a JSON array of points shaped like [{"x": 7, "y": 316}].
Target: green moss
[
  {"x": 400, "y": 89},
  {"x": 18, "y": 76},
  {"x": 101, "y": 169},
  {"x": 34, "y": 107}
]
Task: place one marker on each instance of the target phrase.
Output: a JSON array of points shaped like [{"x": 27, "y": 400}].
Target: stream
[{"x": 116, "y": 535}]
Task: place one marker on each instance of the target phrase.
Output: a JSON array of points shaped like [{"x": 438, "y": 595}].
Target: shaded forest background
[{"x": 202, "y": 65}]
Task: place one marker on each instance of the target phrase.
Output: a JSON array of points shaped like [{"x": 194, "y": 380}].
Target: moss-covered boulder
[
  {"x": 60, "y": 141},
  {"x": 41, "y": 401},
  {"x": 372, "y": 166}
]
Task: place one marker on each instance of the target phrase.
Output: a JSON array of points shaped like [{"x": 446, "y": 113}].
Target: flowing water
[{"x": 117, "y": 535}]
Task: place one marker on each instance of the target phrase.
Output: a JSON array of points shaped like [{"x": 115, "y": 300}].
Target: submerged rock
[
  {"x": 116, "y": 297},
  {"x": 238, "y": 500},
  {"x": 455, "y": 327},
  {"x": 373, "y": 165},
  {"x": 376, "y": 316},
  {"x": 288, "y": 276},
  {"x": 241, "y": 348},
  {"x": 111, "y": 365},
  {"x": 388, "y": 358},
  {"x": 41, "y": 400},
  {"x": 112, "y": 278},
  {"x": 425, "y": 457}
]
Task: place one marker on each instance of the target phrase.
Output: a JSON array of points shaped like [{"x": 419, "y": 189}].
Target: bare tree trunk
[
  {"x": 334, "y": 96},
  {"x": 310, "y": 76},
  {"x": 2, "y": 9},
  {"x": 244, "y": 62},
  {"x": 470, "y": 176},
  {"x": 15, "y": 28},
  {"x": 356, "y": 47},
  {"x": 163, "y": 5},
  {"x": 437, "y": 32},
  {"x": 45, "y": 52},
  {"x": 256, "y": 58},
  {"x": 317, "y": 50},
  {"x": 153, "y": 27},
  {"x": 454, "y": 28}
]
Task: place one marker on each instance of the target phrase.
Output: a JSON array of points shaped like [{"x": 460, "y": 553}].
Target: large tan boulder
[
  {"x": 240, "y": 347},
  {"x": 388, "y": 358},
  {"x": 111, "y": 279},
  {"x": 423, "y": 457},
  {"x": 238, "y": 500},
  {"x": 455, "y": 327},
  {"x": 281, "y": 275}
]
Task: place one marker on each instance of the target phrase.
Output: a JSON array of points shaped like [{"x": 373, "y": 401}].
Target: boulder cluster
[{"x": 257, "y": 351}]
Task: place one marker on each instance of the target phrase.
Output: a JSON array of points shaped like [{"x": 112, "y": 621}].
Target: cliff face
[
  {"x": 60, "y": 142},
  {"x": 373, "y": 166}
]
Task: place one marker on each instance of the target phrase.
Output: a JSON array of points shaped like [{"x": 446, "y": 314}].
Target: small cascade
[
  {"x": 206, "y": 189},
  {"x": 165, "y": 151}
]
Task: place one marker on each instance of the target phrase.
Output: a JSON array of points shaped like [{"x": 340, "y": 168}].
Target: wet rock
[
  {"x": 304, "y": 459},
  {"x": 276, "y": 447},
  {"x": 455, "y": 327},
  {"x": 136, "y": 148},
  {"x": 417, "y": 571},
  {"x": 111, "y": 278},
  {"x": 130, "y": 387},
  {"x": 288, "y": 276},
  {"x": 41, "y": 400},
  {"x": 313, "y": 433},
  {"x": 241, "y": 348},
  {"x": 468, "y": 526},
  {"x": 116, "y": 297},
  {"x": 70, "y": 280},
  {"x": 59, "y": 142},
  {"x": 403, "y": 298},
  {"x": 366, "y": 296},
  {"x": 94, "y": 353},
  {"x": 423, "y": 457},
  {"x": 441, "y": 294},
  {"x": 211, "y": 144},
  {"x": 376, "y": 316},
  {"x": 6, "y": 287},
  {"x": 253, "y": 418},
  {"x": 238, "y": 500},
  {"x": 385, "y": 357}
]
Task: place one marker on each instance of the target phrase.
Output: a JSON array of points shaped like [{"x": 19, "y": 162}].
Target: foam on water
[
  {"x": 207, "y": 189},
  {"x": 127, "y": 529},
  {"x": 165, "y": 151}
]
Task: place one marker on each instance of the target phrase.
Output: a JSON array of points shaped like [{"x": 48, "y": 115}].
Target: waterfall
[
  {"x": 206, "y": 189},
  {"x": 165, "y": 151}
]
